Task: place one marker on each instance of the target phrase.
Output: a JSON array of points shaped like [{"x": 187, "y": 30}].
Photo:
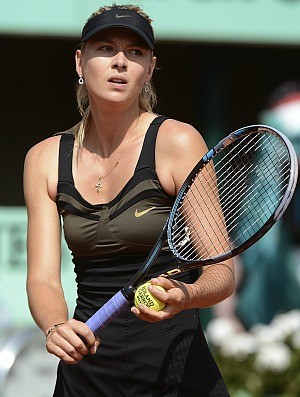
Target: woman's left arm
[{"x": 179, "y": 148}]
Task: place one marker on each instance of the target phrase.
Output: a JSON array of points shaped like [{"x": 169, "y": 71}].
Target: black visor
[{"x": 119, "y": 18}]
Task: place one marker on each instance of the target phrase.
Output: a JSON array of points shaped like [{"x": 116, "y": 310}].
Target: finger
[
  {"x": 178, "y": 292},
  {"x": 94, "y": 347},
  {"x": 65, "y": 352},
  {"x": 83, "y": 331},
  {"x": 143, "y": 312},
  {"x": 66, "y": 337},
  {"x": 73, "y": 330},
  {"x": 162, "y": 295},
  {"x": 172, "y": 292},
  {"x": 164, "y": 282}
]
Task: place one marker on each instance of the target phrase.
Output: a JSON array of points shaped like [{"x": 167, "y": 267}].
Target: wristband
[{"x": 53, "y": 328}]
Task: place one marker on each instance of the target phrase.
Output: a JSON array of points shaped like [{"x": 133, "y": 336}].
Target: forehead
[{"x": 117, "y": 34}]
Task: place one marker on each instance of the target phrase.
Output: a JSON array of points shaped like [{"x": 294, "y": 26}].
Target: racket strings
[
  {"x": 260, "y": 185},
  {"x": 232, "y": 197},
  {"x": 229, "y": 230},
  {"x": 241, "y": 184},
  {"x": 264, "y": 205}
]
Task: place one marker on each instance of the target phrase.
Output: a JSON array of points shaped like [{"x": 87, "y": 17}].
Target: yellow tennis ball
[{"x": 143, "y": 296}]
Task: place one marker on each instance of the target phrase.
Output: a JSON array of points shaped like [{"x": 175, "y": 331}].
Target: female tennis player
[{"x": 113, "y": 179}]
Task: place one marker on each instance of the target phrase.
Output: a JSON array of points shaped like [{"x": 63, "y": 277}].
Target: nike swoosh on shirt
[
  {"x": 122, "y": 16},
  {"x": 137, "y": 214}
]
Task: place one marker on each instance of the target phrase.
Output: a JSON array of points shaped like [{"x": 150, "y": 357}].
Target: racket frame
[{"x": 184, "y": 264}]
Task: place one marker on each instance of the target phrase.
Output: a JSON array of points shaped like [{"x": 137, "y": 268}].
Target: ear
[
  {"x": 78, "y": 62},
  {"x": 151, "y": 68}
]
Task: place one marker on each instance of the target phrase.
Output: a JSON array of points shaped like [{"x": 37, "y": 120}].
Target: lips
[{"x": 117, "y": 81}]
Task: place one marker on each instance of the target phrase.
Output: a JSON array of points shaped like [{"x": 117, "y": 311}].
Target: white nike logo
[
  {"x": 137, "y": 214},
  {"x": 123, "y": 16}
]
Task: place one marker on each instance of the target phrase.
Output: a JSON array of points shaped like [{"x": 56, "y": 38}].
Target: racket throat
[
  {"x": 128, "y": 291},
  {"x": 172, "y": 272}
]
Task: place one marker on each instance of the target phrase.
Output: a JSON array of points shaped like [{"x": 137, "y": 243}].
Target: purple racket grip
[{"x": 107, "y": 312}]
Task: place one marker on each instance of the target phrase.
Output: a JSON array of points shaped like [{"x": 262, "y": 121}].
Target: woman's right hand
[{"x": 71, "y": 341}]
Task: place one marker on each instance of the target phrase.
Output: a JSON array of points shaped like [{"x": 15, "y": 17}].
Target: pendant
[{"x": 98, "y": 185}]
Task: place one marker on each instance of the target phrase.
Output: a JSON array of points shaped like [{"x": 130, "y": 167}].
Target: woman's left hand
[{"x": 177, "y": 297}]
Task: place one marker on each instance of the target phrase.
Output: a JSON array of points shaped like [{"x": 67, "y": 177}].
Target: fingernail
[
  {"x": 133, "y": 310},
  {"x": 94, "y": 349}
]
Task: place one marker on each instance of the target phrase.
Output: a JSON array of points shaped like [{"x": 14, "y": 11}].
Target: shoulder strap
[
  {"x": 147, "y": 156},
  {"x": 65, "y": 158}
]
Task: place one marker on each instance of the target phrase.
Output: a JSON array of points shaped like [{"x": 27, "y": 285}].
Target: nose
[{"x": 120, "y": 61}]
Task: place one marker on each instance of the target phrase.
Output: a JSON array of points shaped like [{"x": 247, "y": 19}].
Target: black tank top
[{"x": 127, "y": 225}]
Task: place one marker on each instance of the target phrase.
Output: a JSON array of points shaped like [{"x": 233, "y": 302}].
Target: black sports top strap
[
  {"x": 147, "y": 156},
  {"x": 66, "y": 158},
  {"x": 146, "y": 159}
]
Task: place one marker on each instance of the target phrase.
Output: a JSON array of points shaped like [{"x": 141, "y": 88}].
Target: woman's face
[{"x": 115, "y": 65}]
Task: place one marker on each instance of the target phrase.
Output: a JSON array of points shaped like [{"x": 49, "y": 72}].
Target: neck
[{"x": 110, "y": 130}]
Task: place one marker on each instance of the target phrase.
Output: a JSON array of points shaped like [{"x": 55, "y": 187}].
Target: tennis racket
[{"x": 231, "y": 198}]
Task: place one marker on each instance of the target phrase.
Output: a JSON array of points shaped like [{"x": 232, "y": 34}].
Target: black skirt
[{"x": 136, "y": 358}]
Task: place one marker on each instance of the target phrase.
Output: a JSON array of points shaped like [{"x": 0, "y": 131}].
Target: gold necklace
[{"x": 99, "y": 184}]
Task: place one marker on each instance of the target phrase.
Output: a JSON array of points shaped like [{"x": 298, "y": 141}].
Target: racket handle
[{"x": 107, "y": 312}]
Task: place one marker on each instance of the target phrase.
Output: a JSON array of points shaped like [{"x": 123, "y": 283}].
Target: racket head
[{"x": 233, "y": 196}]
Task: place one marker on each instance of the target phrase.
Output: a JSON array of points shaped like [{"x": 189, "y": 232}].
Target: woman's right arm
[{"x": 45, "y": 294}]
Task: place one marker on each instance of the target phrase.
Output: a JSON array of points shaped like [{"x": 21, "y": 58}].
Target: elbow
[
  {"x": 230, "y": 289},
  {"x": 228, "y": 280},
  {"x": 230, "y": 284}
]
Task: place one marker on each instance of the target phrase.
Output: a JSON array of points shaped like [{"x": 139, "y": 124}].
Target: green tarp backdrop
[{"x": 241, "y": 21}]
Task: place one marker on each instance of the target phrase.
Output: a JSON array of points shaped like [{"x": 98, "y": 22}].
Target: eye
[
  {"x": 105, "y": 48},
  {"x": 136, "y": 51}
]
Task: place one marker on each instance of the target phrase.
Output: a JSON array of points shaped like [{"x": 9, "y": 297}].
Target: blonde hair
[{"x": 147, "y": 98}]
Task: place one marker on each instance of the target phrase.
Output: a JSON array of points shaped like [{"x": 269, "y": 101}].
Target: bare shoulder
[
  {"x": 179, "y": 148},
  {"x": 40, "y": 169},
  {"x": 179, "y": 136},
  {"x": 43, "y": 150}
]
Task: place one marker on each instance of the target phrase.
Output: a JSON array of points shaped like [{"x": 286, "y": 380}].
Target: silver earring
[
  {"x": 80, "y": 81},
  {"x": 146, "y": 87}
]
